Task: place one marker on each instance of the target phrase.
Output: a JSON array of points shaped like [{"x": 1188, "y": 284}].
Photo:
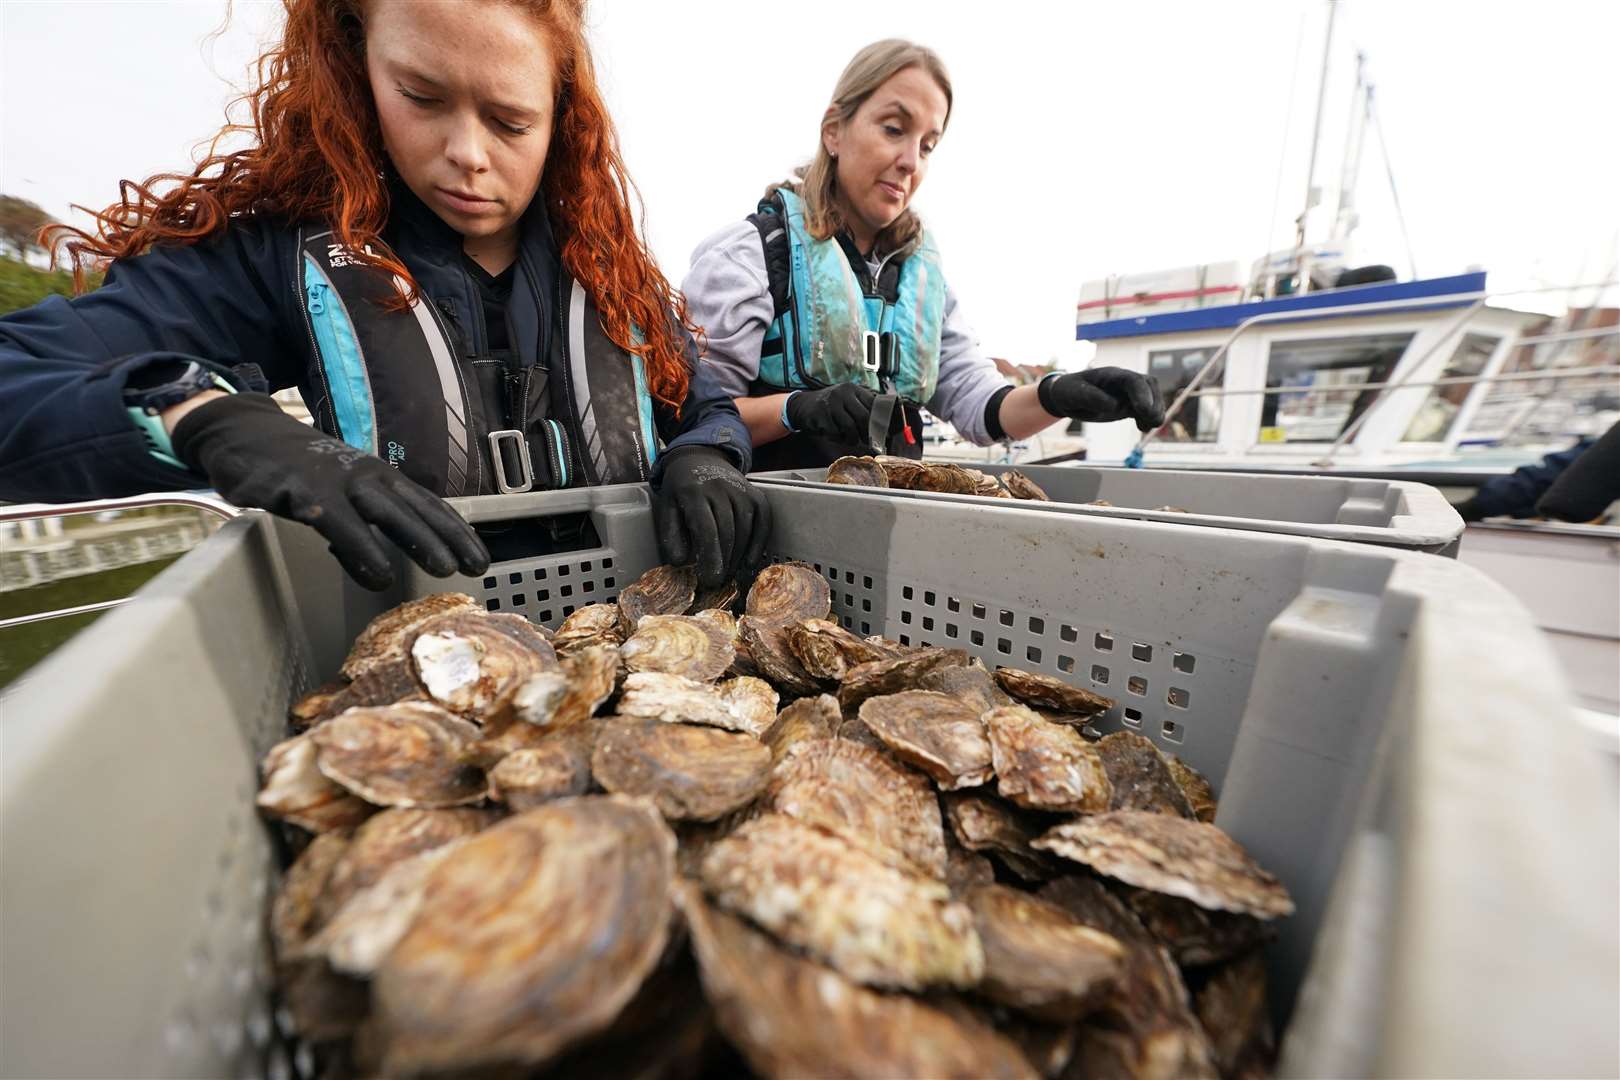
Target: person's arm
[
  {"x": 1588, "y": 485},
  {"x": 763, "y": 417}
]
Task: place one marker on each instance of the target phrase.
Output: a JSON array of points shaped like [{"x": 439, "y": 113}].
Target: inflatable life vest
[
  {"x": 395, "y": 386},
  {"x": 835, "y": 322}
]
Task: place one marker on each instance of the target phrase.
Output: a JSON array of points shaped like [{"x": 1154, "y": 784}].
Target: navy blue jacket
[{"x": 233, "y": 303}]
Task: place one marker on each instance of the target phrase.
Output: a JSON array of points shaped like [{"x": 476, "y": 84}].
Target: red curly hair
[{"x": 317, "y": 156}]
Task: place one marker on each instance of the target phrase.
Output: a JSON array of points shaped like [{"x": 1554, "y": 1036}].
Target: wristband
[
  {"x": 146, "y": 415},
  {"x": 1043, "y": 393},
  {"x": 785, "y": 422}
]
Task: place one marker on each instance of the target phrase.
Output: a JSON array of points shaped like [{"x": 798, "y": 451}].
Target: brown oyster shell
[
  {"x": 893, "y": 676},
  {"x": 1044, "y": 766},
  {"x": 388, "y": 637},
  {"x": 315, "y": 706},
  {"x": 385, "y": 683},
  {"x": 947, "y": 478},
  {"x": 1022, "y": 487},
  {"x": 324, "y": 1005},
  {"x": 873, "y": 922},
  {"x": 1231, "y": 1006},
  {"x": 788, "y": 593},
  {"x": 985, "y": 824},
  {"x": 593, "y": 624},
  {"x": 1189, "y": 859},
  {"x": 1038, "y": 958},
  {"x": 723, "y": 598},
  {"x": 751, "y": 702},
  {"x": 531, "y": 936},
  {"x": 1200, "y": 796},
  {"x": 389, "y": 837},
  {"x": 295, "y": 790},
  {"x": 827, "y": 651},
  {"x": 1196, "y": 936},
  {"x": 400, "y": 755},
  {"x": 472, "y": 664},
  {"x": 1140, "y": 776},
  {"x": 362, "y": 932},
  {"x": 691, "y": 773},
  {"x": 766, "y": 644},
  {"x": 1045, "y": 692},
  {"x": 970, "y": 682},
  {"x": 557, "y": 766},
  {"x": 296, "y": 912},
  {"x": 790, "y": 1016},
  {"x": 736, "y": 704},
  {"x": 663, "y": 590},
  {"x": 987, "y": 485},
  {"x": 965, "y": 869},
  {"x": 862, "y": 796},
  {"x": 860, "y": 471},
  {"x": 805, "y": 719},
  {"x": 934, "y": 732},
  {"x": 900, "y": 472},
  {"x": 679, "y": 645}
]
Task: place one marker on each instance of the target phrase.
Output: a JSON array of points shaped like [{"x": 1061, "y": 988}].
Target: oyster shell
[
  {"x": 323, "y": 1004},
  {"x": 1232, "y": 1008},
  {"x": 1189, "y": 859},
  {"x": 295, "y": 913},
  {"x": 1044, "y": 766},
  {"x": 944, "y": 477},
  {"x": 788, "y": 593},
  {"x": 739, "y": 704},
  {"x": 550, "y": 702},
  {"x": 805, "y": 719},
  {"x": 722, "y": 598},
  {"x": 861, "y": 471},
  {"x": 793, "y": 1017},
  {"x": 964, "y": 869},
  {"x": 690, "y": 773},
  {"x": 1200, "y": 796},
  {"x": 1022, "y": 487},
  {"x": 1038, "y": 958},
  {"x": 315, "y": 706},
  {"x": 297, "y": 792},
  {"x": 1045, "y": 692},
  {"x": 900, "y": 472},
  {"x": 531, "y": 936},
  {"x": 388, "y": 637},
  {"x": 893, "y": 676},
  {"x": 766, "y": 644},
  {"x": 382, "y": 684},
  {"x": 1196, "y": 936},
  {"x": 938, "y": 734},
  {"x": 1140, "y": 776},
  {"x": 981, "y": 823},
  {"x": 370, "y": 923},
  {"x": 679, "y": 645},
  {"x": 861, "y": 796},
  {"x": 473, "y": 664},
  {"x": 751, "y": 702},
  {"x": 400, "y": 755},
  {"x": 389, "y": 837},
  {"x": 556, "y": 767},
  {"x": 969, "y": 682},
  {"x": 663, "y": 590},
  {"x": 827, "y": 651},
  {"x": 987, "y": 485},
  {"x": 593, "y": 624}
]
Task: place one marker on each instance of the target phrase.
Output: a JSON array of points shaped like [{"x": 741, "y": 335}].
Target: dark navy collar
[{"x": 428, "y": 235}]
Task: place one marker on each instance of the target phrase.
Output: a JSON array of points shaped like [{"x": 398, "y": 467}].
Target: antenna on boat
[{"x": 1313, "y": 195}]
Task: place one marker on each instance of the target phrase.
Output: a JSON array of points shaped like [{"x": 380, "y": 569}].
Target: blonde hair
[{"x": 817, "y": 181}]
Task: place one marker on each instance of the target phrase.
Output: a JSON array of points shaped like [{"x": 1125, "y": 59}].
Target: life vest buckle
[
  {"x": 520, "y": 446},
  {"x": 871, "y": 352}
]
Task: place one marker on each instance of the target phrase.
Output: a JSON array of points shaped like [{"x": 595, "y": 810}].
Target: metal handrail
[{"x": 1450, "y": 380}]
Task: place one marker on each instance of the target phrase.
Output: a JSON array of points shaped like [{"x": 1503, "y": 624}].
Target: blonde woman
[{"x": 827, "y": 311}]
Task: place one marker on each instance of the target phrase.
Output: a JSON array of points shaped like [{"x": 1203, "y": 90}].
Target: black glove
[
  {"x": 706, "y": 512},
  {"x": 842, "y": 413},
  {"x": 1103, "y": 394},
  {"x": 255, "y": 455}
]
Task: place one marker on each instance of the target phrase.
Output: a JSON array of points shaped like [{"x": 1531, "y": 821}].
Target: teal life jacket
[
  {"x": 396, "y": 385},
  {"x": 835, "y": 322}
]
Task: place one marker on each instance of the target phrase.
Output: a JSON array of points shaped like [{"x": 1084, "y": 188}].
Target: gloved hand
[
  {"x": 255, "y": 455},
  {"x": 1103, "y": 394},
  {"x": 708, "y": 513},
  {"x": 842, "y": 413}
]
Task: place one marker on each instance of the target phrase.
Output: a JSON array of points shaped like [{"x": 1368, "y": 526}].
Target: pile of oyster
[
  {"x": 669, "y": 839},
  {"x": 909, "y": 474}
]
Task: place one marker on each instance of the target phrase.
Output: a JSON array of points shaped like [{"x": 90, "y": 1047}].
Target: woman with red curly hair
[{"x": 431, "y": 237}]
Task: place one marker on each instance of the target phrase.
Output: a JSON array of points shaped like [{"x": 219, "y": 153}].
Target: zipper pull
[{"x": 317, "y": 299}]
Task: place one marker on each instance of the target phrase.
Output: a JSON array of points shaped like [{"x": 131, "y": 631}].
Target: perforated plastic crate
[
  {"x": 1385, "y": 730},
  {"x": 1396, "y": 513}
]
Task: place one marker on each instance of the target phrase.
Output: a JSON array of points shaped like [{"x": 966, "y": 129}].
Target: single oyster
[
  {"x": 901, "y": 472},
  {"x": 679, "y": 645},
  {"x": 860, "y": 795},
  {"x": 792, "y": 1017},
  {"x": 1196, "y": 936},
  {"x": 736, "y": 705},
  {"x": 722, "y": 598},
  {"x": 965, "y": 869},
  {"x": 1022, "y": 487},
  {"x": 766, "y": 644},
  {"x": 549, "y": 702},
  {"x": 1200, "y": 796},
  {"x": 400, "y": 755},
  {"x": 593, "y": 624},
  {"x": 323, "y": 1004},
  {"x": 690, "y": 773},
  {"x": 1045, "y": 692},
  {"x": 827, "y": 651},
  {"x": 1140, "y": 776},
  {"x": 938, "y": 734},
  {"x": 1232, "y": 1008},
  {"x": 789, "y": 593},
  {"x": 663, "y": 590},
  {"x": 751, "y": 702},
  {"x": 362, "y": 932},
  {"x": 981, "y": 823},
  {"x": 893, "y": 676},
  {"x": 988, "y": 485},
  {"x": 296, "y": 791},
  {"x": 473, "y": 664},
  {"x": 1189, "y": 859},
  {"x": 874, "y": 923},
  {"x": 531, "y": 936},
  {"x": 295, "y": 913},
  {"x": 388, "y": 637},
  {"x": 557, "y": 766},
  {"x": 970, "y": 682},
  {"x": 947, "y": 478},
  {"x": 315, "y": 706},
  {"x": 861, "y": 471},
  {"x": 389, "y": 837},
  {"x": 1038, "y": 958},
  {"x": 386, "y": 683},
  {"x": 806, "y": 719},
  {"x": 1044, "y": 766}
]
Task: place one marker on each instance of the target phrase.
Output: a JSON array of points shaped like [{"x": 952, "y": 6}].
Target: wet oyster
[
  {"x": 400, "y": 755},
  {"x": 1022, "y": 487},
  {"x": 297, "y": 792},
  {"x": 1232, "y": 1008},
  {"x": 947, "y": 478},
  {"x": 862, "y": 471},
  {"x": 593, "y": 624},
  {"x": 1196, "y": 936},
  {"x": 862, "y": 796},
  {"x": 1140, "y": 776},
  {"x": 874, "y": 923},
  {"x": 792, "y": 1017},
  {"x": 388, "y": 637},
  {"x": 556, "y": 767},
  {"x": 1044, "y": 766},
  {"x": 827, "y": 651},
  {"x": 1045, "y": 692},
  {"x": 766, "y": 644},
  {"x": 1189, "y": 859},
  {"x": 679, "y": 645},
  {"x": 531, "y": 936},
  {"x": 893, "y": 676},
  {"x": 788, "y": 593},
  {"x": 1200, "y": 796},
  {"x": 938, "y": 734},
  {"x": 1038, "y": 958},
  {"x": 690, "y": 773},
  {"x": 807, "y": 718},
  {"x": 473, "y": 664},
  {"x": 988, "y": 825},
  {"x": 389, "y": 837},
  {"x": 663, "y": 590}
]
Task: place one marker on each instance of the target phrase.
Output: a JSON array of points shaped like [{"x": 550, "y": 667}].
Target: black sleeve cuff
[{"x": 992, "y": 414}]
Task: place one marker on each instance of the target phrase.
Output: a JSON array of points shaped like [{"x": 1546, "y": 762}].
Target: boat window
[
  {"x": 1319, "y": 380},
  {"x": 1199, "y": 417},
  {"x": 1439, "y": 410}
]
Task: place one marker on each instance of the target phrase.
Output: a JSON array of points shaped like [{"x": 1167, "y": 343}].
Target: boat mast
[
  {"x": 1312, "y": 195},
  {"x": 1345, "y": 219}
]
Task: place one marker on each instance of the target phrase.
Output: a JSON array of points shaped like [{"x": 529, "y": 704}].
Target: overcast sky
[{"x": 1087, "y": 139}]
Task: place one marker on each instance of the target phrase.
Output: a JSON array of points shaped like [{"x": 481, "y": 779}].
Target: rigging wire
[
  {"x": 1389, "y": 171},
  {"x": 1288, "y": 124}
]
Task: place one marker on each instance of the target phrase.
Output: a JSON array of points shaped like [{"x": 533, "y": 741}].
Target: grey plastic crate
[
  {"x": 1386, "y": 730},
  {"x": 1396, "y": 513}
]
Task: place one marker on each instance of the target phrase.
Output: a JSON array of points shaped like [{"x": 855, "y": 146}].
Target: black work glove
[
  {"x": 255, "y": 455},
  {"x": 842, "y": 413},
  {"x": 1103, "y": 394},
  {"x": 707, "y": 513}
]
